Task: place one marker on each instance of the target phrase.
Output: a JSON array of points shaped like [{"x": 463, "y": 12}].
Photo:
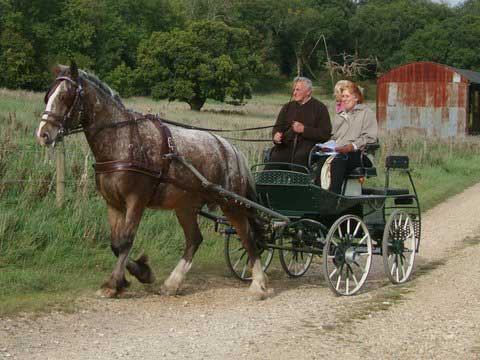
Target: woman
[
  {"x": 353, "y": 127},
  {"x": 337, "y": 91}
]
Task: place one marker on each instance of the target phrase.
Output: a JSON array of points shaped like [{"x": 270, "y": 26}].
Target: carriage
[
  {"x": 345, "y": 229},
  {"x": 143, "y": 163}
]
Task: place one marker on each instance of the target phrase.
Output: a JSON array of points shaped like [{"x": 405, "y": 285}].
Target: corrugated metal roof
[
  {"x": 424, "y": 71},
  {"x": 470, "y": 75}
]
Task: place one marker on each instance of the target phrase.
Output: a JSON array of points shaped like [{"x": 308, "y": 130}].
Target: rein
[
  {"x": 191, "y": 127},
  {"x": 62, "y": 121},
  {"x": 97, "y": 128}
]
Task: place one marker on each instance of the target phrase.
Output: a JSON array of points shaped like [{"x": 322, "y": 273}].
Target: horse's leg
[
  {"x": 193, "y": 238},
  {"x": 123, "y": 225},
  {"x": 248, "y": 231}
]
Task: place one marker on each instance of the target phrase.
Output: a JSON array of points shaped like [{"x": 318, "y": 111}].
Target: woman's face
[{"x": 349, "y": 100}]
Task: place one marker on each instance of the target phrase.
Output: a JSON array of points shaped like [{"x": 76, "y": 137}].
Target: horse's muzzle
[{"x": 43, "y": 138}]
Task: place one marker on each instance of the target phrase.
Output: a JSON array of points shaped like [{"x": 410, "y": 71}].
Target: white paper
[{"x": 330, "y": 145}]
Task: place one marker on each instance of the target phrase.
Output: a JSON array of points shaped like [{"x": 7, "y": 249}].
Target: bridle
[{"x": 63, "y": 122}]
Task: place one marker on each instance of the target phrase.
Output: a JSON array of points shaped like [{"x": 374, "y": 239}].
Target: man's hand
[
  {"x": 277, "y": 138},
  {"x": 298, "y": 127},
  {"x": 345, "y": 149}
]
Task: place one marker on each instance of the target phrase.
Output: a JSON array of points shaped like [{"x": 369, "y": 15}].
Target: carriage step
[{"x": 381, "y": 191}]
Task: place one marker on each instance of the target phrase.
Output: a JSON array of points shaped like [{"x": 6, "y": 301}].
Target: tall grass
[{"x": 49, "y": 253}]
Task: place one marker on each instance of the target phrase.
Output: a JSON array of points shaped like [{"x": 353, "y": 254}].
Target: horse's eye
[{"x": 61, "y": 97}]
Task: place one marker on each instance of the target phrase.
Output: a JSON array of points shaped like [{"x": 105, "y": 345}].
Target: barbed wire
[
  {"x": 73, "y": 153},
  {"x": 14, "y": 181}
]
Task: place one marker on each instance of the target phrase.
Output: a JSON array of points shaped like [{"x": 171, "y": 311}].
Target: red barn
[{"x": 429, "y": 99}]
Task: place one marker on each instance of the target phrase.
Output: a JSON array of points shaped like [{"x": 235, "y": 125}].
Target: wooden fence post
[
  {"x": 60, "y": 166},
  {"x": 425, "y": 149}
]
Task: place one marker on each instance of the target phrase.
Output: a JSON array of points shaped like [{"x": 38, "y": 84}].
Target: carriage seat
[
  {"x": 360, "y": 172},
  {"x": 367, "y": 170}
]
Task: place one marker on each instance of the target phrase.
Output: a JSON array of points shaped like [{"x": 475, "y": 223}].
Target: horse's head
[{"x": 64, "y": 101}]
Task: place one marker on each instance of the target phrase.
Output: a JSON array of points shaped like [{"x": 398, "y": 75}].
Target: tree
[
  {"x": 291, "y": 30},
  {"x": 207, "y": 60},
  {"x": 379, "y": 27},
  {"x": 17, "y": 55},
  {"x": 452, "y": 42}
]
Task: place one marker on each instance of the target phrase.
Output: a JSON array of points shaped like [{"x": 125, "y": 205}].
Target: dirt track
[{"x": 437, "y": 315}]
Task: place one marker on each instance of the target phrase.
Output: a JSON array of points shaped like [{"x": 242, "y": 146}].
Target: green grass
[{"x": 51, "y": 255}]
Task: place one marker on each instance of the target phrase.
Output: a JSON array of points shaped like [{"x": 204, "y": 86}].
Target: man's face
[{"x": 301, "y": 92}]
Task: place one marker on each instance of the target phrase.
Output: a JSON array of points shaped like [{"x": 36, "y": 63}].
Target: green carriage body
[{"x": 307, "y": 220}]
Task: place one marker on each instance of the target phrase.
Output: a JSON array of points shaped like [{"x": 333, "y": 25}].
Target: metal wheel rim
[
  {"x": 347, "y": 255},
  {"x": 398, "y": 247},
  {"x": 237, "y": 258},
  {"x": 294, "y": 263}
]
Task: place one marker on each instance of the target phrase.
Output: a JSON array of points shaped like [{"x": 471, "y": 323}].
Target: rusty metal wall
[{"x": 424, "y": 98}]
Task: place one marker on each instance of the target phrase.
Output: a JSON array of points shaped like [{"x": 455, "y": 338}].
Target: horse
[{"x": 136, "y": 169}]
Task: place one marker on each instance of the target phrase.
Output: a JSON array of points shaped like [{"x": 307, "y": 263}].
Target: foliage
[
  {"x": 290, "y": 37},
  {"x": 100, "y": 35},
  {"x": 453, "y": 41},
  {"x": 122, "y": 79},
  {"x": 379, "y": 27},
  {"x": 207, "y": 60}
]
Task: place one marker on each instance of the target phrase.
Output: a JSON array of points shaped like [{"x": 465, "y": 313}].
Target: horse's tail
[{"x": 257, "y": 224}]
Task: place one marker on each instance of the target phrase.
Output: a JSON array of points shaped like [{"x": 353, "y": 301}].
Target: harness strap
[
  {"x": 125, "y": 165},
  {"x": 53, "y": 121},
  {"x": 168, "y": 151},
  {"x": 168, "y": 145}
]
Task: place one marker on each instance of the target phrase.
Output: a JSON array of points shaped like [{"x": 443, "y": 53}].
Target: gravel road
[{"x": 436, "y": 315}]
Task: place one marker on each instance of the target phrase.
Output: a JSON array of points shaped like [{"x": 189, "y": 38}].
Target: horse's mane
[{"x": 107, "y": 90}]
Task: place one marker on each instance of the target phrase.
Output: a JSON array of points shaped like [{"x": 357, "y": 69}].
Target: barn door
[{"x": 474, "y": 110}]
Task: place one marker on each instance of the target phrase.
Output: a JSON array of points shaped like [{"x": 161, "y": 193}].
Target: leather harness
[{"x": 168, "y": 150}]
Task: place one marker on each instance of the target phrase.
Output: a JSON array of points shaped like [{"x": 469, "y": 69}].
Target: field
[{"x": 50, "y": 254}]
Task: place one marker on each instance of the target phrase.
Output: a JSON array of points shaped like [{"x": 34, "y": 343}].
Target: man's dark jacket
[{"x": 318, "y": 128}]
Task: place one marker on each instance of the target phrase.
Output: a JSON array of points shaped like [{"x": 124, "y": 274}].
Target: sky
[{"x": 450, "y": 2}]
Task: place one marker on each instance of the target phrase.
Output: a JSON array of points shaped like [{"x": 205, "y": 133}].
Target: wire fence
[{"x": 38, "y": 171}]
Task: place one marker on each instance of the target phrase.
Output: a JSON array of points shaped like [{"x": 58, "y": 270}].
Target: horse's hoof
[
  {"x": 141, "y": 270},
  {"x": 148, "y": 279},
  {"x": 168, "y": 290},
  {"x": 260, "y": 292},
  {"x": 107, "y": 293}
]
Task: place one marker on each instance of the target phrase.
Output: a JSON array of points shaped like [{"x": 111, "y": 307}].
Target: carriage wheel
[
  {"x": 237, "y": 258},
  {"x": 398, "y": 247},
  {"x": 295, "y": 263},
  {"x": 347, "y": 255}
]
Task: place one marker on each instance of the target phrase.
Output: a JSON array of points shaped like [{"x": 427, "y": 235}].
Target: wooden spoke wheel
[
  {"x": 237, "y": 258},
  {"x": 294, "y": 262},
  {"x": 347, "y": 255},
  {"x": 398, "y": 247}
]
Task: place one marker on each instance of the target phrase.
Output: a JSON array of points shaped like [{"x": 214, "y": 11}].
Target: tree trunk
[
  {"x": 299, "y": 63},
  {"x": 196, "y": 103}
]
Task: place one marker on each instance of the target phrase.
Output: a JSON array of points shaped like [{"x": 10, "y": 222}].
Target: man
[{"x": 300, "y": 124}]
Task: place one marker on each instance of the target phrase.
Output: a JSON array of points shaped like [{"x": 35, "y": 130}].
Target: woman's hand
[{"x": 345, "y": 149}]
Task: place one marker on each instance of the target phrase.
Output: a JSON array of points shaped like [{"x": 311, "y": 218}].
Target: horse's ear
[
  {"x": 56, "y": 70},
  {"x": 73, "y": 70}
]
